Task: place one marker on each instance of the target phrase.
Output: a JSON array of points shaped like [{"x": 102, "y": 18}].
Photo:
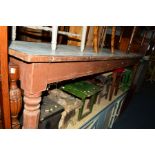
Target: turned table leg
[
  {"x": 15, "y": 95},
  {"x": 31, "y": 110}
]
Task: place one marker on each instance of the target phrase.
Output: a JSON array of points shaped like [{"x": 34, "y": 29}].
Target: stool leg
[
  {"x": 117, "y": 84},
  {"x": 112, "y": 85},
  {"x": 107, "y": 91}
]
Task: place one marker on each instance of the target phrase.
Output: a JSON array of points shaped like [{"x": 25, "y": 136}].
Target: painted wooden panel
[
  {"x": 116, "y": 110},
  {"x": 92, "y": 124},
  {"x": 106, "y": 117}
]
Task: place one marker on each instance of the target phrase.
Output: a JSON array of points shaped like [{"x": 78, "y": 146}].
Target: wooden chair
[
  {"x": 100, "y": 36},
  {"x": 55, "y": 32},
  {"x": 93, "y": 36},
  {"x": 126, "y": 38}
]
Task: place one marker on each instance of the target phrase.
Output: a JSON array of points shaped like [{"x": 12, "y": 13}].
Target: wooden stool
[
  {"x": 103, "y": 81},
  {"x": 117, "y": 74},
  {"x": 86, "y": 92},
  {"x": 50, "y": 114},
  {"x": 70, "y": 104}
]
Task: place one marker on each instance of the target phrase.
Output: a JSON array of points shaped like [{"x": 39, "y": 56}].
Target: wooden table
[{"x": 40, "y": 66}]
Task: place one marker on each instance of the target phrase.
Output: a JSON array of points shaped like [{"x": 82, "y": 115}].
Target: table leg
[
  {"x": 33, "y": 80},
  {"x": 31, "y": 110}
]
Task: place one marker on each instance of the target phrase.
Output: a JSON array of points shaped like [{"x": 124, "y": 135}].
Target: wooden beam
[{"x": 4, "y": 90}]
